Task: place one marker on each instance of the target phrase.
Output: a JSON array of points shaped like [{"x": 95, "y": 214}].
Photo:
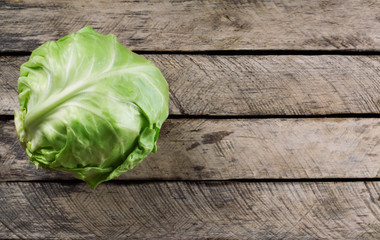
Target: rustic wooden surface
[
  {"x": 205, "y": 149},
  {"x": 197, "y": 25},
  {"x": 177, "y": 210},
  {"x": 274, "y": 113},
  {"x": 250, "y": 85}
]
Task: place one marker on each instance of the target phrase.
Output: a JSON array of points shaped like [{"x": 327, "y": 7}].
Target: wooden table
[{"x": 273, "y": 131}]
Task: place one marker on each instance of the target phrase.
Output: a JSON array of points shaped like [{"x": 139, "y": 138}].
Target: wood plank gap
[
  {"x": 339, "y": 115},
  {"x": 351, "y": 52},
  {"x": 267, "y": 52},
  {"x": 6, "y": 117},
  {"x": 16, "y": 53},
  {"x": 175, "y": 116},
  {"x": 265, "y": 180}
]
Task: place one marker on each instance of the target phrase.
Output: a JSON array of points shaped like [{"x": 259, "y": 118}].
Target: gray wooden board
[
  {"x": 197, "y": 25},
  {"x": 251, "y": 85},
  {"x": 201, "y": 149},
  {"x": 190, "y": 210}
]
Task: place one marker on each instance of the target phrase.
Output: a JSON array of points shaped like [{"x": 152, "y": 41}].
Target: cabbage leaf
[{"x": 89, "y": 106}]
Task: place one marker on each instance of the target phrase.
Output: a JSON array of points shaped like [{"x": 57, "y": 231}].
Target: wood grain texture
[
  {"x": 251, "y": 85},
  {"x": 195, "y": 149},
  {"x": 9, "y": 73},
  {"x": 191, "y": 210},
  {"x": 197, "y": 25}
]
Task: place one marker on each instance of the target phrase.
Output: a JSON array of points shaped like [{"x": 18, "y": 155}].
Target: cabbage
[{"x": 89, "y": 106}]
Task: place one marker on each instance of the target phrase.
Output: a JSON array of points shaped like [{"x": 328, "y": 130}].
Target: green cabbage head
[{"x": 89, "y": 106}]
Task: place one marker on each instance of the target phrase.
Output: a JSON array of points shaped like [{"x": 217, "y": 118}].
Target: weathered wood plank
[
  {"x": 191, "y": 210},
  {"x": 251, "y": 85},
  {"x": 200, "y": 149},
  {"x": 197, "y": 25},
  {"x": 9, "y": 73}
]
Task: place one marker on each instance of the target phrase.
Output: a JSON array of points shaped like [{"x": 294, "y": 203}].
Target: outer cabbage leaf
[{"x": 89, "y": 106}]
